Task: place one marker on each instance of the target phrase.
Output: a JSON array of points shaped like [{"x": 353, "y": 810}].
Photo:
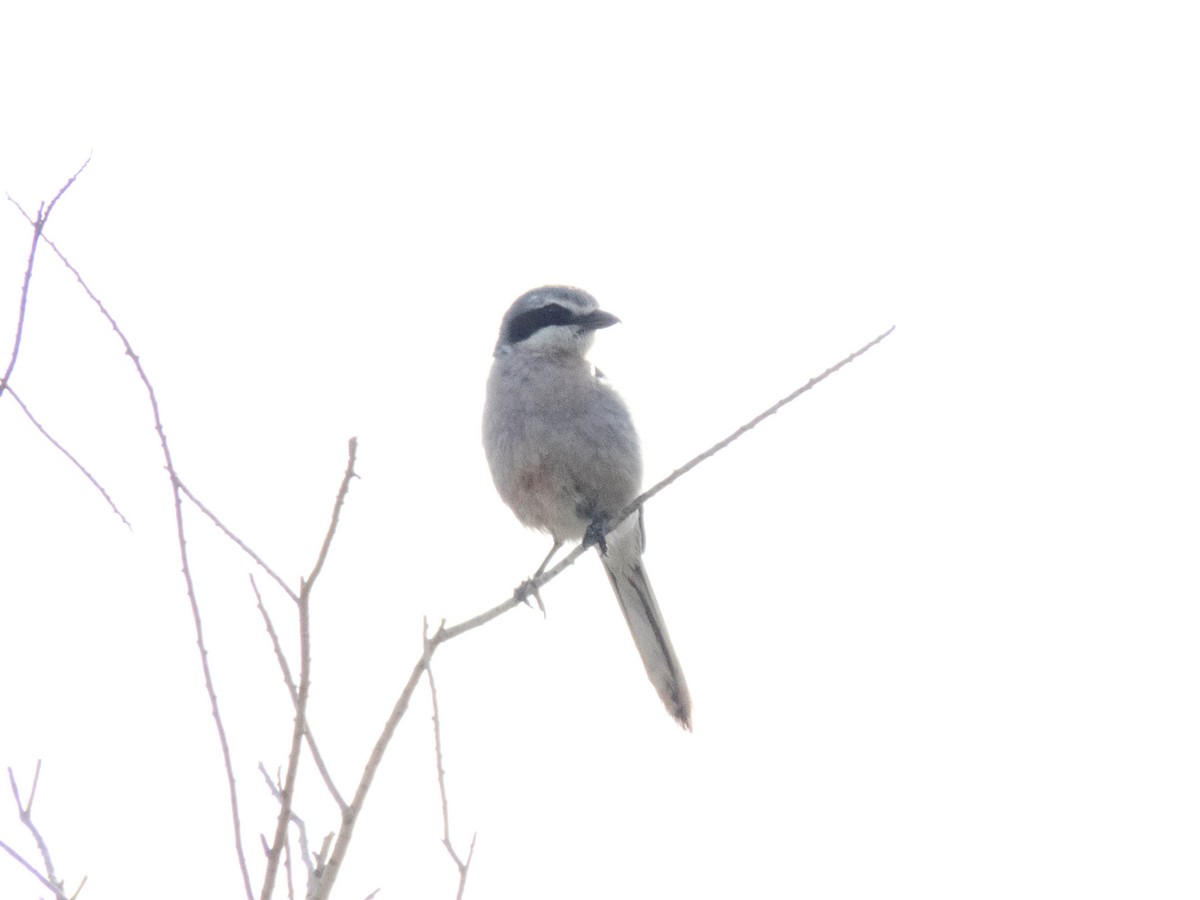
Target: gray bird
[{"x": 565, "y": 458}]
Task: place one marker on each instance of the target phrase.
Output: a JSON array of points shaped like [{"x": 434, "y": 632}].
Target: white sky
[{"x": 939, "y": 618}]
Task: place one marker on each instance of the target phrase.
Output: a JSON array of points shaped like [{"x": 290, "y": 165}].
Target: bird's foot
[
  {"x": 529, "y": 588},
  {"x": 595, "y": 535}
]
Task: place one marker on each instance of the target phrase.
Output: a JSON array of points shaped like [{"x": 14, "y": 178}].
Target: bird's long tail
[{"x": 627, "y": 572}]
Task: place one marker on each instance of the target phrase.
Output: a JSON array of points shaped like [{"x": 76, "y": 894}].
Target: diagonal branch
[
  {"x": 67, "y": 453},
  {"x": 287, "y": 589},
  {"x": 328, "y": 874},
  {"x": 291, "y": 685},
  {"x": 569, "y": 560},
  {"x": 58, "y": 894},
  {"x": 737, "y": 433},
  {"x": 38, "y": 225}
]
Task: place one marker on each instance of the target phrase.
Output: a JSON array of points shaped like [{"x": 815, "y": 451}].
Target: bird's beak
[{"x": 596, "y": 320}]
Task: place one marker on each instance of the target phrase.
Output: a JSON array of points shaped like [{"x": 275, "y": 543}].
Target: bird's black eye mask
[{"x": 529, "y": 323}]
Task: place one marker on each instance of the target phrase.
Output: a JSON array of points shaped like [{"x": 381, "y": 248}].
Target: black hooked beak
[{"x": 596, "y": 320}]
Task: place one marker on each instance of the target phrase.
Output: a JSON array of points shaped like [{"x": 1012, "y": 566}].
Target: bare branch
[
  {"x": 38, "y": 225},
  {"x": 463, "y": 867},
  {"x": 302, "y": 839},
  {"x": 58, "y": 894},
  {"x": 301, "y": 828},
  {"x": 722, "y": 444},
  {"x": 283, "y": 663},
  {"x": 291, "y": 685},
  {"x": 329, "y": 872},
  {"x": 177, "y": 498},
  {"x": 289, "y": 784},
  {"x": 287, "y": 869},
  {"x": 569, "y": 560},
  {"x": 237, "y": 540},
  {"x": 337, "y": 510},
  {"x": 25, "y": 813},
  {"x": 329, "y": 860},
  {"x": 305, "y": 856},
  {"x": 67, "y": 453},
  {"x": 350, "y": 815},
  {"x": 301, "y": 832},
  {"x": 322, "y": 856}
]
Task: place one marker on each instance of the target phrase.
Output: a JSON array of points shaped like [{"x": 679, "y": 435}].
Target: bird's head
[{"x": 552, "y": 319}]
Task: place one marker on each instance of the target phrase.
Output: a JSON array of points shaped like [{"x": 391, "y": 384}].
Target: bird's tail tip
[{"x": 679, "y": 705}]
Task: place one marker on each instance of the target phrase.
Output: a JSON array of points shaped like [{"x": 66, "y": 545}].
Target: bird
[{"x": 565, "y": 457}]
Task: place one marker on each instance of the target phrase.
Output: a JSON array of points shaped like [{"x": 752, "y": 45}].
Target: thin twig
[
  {"x": 569, "y": 560},
  {"x": 59, "y": 895},
  {"x": 463, "y": 867},
  {"x": 314, "y": 881},
  {"x": 39, "y": 225},
  {"x": 301, "y": 832},
  {"x": 441, "y": 769},
  {"x": 287, "y": 869},
  {"x": 329, "y": 872},
  {"x": 328, "y": 875},
  {"x": 274, "y": 635},
  {"x": 722, "y": 444},
  {"x": 287, "y": 589},
  {"x": 289, "y": 784},
  {"x": 177, "y": 498},
  {"x": 301, "y": 828},
  {"x": 302, "y": 839},
  {"x": 67, "y": 453},
  {"x": 291, "y": 685},
  {"x": 25, "y": 814},
  {"x": 337, "y": 510}
]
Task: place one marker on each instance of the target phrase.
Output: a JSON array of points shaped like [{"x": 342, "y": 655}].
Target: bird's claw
[
  {"x": 595, "y": 535},
  {"x": 529, "y": 588}
]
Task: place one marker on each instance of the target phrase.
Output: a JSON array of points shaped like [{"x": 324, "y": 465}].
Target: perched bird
[{"x": 565, "y": 458}]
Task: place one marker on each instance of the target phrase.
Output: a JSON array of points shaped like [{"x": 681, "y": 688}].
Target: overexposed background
[{"x": 940, "y": 618}]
